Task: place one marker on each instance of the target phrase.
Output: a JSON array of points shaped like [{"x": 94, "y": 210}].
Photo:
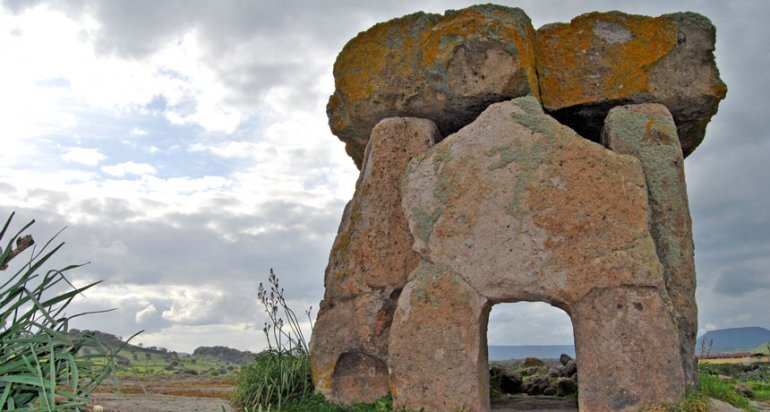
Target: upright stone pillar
[
  {"x": 627, "y": 350},
  {"x": 648, "y": 132},
  {"x": 369, "y": 263},
  {"x": 438, "y": 354}
]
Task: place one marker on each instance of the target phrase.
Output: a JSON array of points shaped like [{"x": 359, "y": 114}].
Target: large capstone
[
  {"x": 601, "y": 60},
  {"x": 444, "y": 68}
]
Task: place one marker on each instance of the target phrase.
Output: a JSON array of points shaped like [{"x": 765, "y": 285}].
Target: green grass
[
  {"x": 273, "y": 379},
  {"x": 761, "y": 390},
  {"x": 713, "y": 387}
]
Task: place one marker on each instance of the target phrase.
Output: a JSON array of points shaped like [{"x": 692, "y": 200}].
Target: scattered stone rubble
[
  {"x": 535, "y": 377},
  {"x": 503, "y": 164}
]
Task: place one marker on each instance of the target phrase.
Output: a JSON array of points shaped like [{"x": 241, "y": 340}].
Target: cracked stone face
[{"x": 602, "y": 60}]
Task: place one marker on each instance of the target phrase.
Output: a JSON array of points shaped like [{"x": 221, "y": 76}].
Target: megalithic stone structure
[{"x": 520, "y": 202}]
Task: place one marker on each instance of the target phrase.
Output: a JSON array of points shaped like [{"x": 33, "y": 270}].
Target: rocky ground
[
  {"x": 165, "y": 394},
  {"x": 534, "y": 385}
]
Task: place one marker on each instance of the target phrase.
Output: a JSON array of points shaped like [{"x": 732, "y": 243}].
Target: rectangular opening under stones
[{"x": 531, "y": 354}]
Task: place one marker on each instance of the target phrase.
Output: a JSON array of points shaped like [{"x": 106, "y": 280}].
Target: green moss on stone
[{"x": 424, "y": 222}]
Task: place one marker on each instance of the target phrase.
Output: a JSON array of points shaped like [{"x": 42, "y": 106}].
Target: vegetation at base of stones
[
  {"x": 737, "y": 381},
  {"x": 742, "y": 386},
  {"x": 694, "y": 402},
  {"x": 317, "y": 403},
  {"x": 42, "y": 367},
  {"x": 714, "y": 387},
  {"x": 533, "y": 376},
  {"x": 282, "y": 372}
]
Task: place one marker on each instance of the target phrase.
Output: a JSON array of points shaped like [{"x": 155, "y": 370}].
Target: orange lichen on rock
[
  {"x": 601, "y": 60},
  {"x": 600, "y": 56},
  {"x": 443, "y": 68}
]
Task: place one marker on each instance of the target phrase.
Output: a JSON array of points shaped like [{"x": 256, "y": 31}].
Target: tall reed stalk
[{"x": 282, "y": 372}]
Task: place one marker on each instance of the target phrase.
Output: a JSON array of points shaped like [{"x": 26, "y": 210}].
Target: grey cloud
[
  {"x": 738, "y": 281},
  {"x": 183, "y": 249}
]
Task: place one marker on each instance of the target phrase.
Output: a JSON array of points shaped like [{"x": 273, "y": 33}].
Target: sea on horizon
[{"x": 500, "y": 352}]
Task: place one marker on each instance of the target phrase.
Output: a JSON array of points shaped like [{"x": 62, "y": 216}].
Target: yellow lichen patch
[
  {"x": 358, "y": 66},
  {"x": 576, "y": 65},
  {"x": 410, "y": 45}
]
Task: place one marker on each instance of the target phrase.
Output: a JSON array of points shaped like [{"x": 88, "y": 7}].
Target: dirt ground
[
  {"x": 165, "y": 394},
  {"x": 205, "y": 394},
  {"x": 534, "y": 403}
]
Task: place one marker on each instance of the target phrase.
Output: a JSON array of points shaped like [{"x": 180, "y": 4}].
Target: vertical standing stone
[
  {"x": 627, "y": 350},
  {"x": 369, "y": 263},
  {"x": 438, "y": 349},
  {"x": 648, "y": 132}
]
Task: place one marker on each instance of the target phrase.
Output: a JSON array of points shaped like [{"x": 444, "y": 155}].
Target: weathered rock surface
[
  {"x": 368, "y": 267},
  {"x": 648, "y": 132},
  {"x": 715, "y": 405},
  {"x": 627, "y": 349},
  {"x": 355, "y": 330},
  {"x": 516, "y": 206},
  {"x": 373, "y": 248},
  {"x": 526, "y": 209},
  {"x": 445, "y": 68},
  {"x": 600, "y": 60}
]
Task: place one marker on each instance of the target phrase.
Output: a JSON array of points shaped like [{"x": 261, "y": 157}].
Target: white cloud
[
  {"x": 55, "y": 45},
  {"x": 529, "y": 323},
  {"x": 145, "y": 313},
  {"x": 186, "y": 338},
  {"x": 84, "y": 156},
  {"x": 129, "y": 168},
  {"x": 194, "y": 306},
  {"x": 138, "y": 131}
]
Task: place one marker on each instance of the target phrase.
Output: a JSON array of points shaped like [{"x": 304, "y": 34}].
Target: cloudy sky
[{"x": 184, "y": 144}]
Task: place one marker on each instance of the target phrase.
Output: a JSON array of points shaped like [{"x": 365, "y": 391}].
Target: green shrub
[
  {"x": 42, "y": 367},
  {"x": 282, "y": 372},
  {"x": 272, "y": 379}
]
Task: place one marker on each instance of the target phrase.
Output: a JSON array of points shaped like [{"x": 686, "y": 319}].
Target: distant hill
[
  {"x": 763, "y": 348},
  {"x": 221, "y": 353},
  {"x": 224, "y": 353},
  {"x": 734, "y": 340}
]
